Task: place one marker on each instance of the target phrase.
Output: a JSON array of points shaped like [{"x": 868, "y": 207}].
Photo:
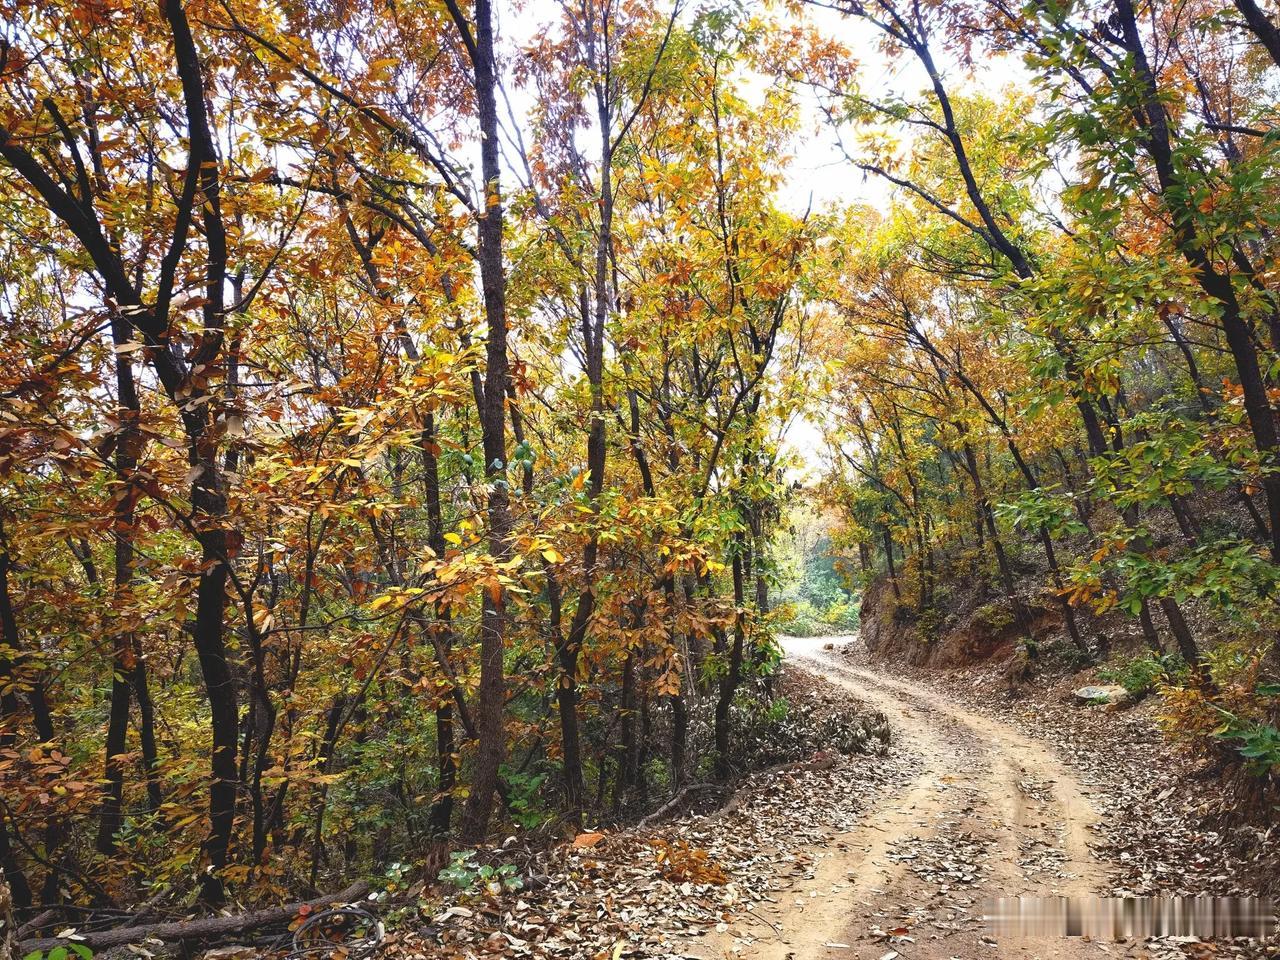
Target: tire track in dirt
[{"x": 992, "y": 812}]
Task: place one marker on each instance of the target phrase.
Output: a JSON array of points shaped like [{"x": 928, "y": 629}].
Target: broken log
[
  {"x": 676, "y": 801},
  {"x": 208, "y": 928}
]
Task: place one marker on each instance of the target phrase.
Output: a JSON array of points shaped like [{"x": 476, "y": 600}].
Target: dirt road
[{"x": 991, "y": 813}]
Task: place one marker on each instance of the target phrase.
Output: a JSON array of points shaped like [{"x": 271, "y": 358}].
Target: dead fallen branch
[
  {"x": 210, "y": 928},
  {"x": 42, "y": 919},
  {"x": 676, "y": 802},
  {"x": 819, "y": 761}
]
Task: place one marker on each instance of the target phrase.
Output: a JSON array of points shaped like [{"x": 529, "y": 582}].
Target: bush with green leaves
[
  {"x": 842, "y": 614},
  {"x": 800, "y": 619},
  {"x": 994, "y": 616},
  {"x": 804, "y": 619},
  {"x": 466, "y": 872},
  {"x": 527, "y": 797},
  {"x": 1141, "y": 675},
  {"x": 62, "y": 953},
  {"x": 1257, "y": 742}
]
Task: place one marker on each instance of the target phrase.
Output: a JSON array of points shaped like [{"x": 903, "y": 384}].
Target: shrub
[
  {"x": 466, "y": 872},
  {"x": 1141, "y": 675},
  {"x": 1257, "y": 743},
  {"x": 799, "y": 619},
  {"x": 1238, "y": 712},
  {"x": 842, "y": 614},
  {"x": 802, "y": 619},
  {"x": 993, "y": 616}
]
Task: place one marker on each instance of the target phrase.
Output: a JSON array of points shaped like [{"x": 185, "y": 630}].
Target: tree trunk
[
  {"x": 17, "y": 884},
  {"x": 447, "y": 771},
  {"x": 55, "y": 830},
  {"x": 732, "y": 676},
  {"x": 490, "y": 710},
  {"x": 1018, "y": 608},
  {"x": 888, "y": 559},
  {"x": 1261, "y": 25},
  {"x": 1153, "y": 117}
]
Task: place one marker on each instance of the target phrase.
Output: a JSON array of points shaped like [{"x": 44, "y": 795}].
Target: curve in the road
[{"x": 992, "y": 812}]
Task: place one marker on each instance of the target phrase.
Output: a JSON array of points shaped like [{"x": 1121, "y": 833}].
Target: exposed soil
[
  {"x": 1169, "y": 824},
  {"x": 990, "y": 812}
]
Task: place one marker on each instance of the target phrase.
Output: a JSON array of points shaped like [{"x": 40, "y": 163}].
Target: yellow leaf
[{"x": 379, "y": 68}]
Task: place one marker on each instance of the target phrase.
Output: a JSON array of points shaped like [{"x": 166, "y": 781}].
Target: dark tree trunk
[
  {"x": 1261, "y": 25},
  {"x": 200, "y": 193},
  {"x": 129, "y": 676},
  {"x": 732, "y": 675},
  {"x": 491, "y": 706},
  {"x": 55, "y": 832},
  {"x": 1151, "y": 114},
  {"x": 627, "y": 721},
  {"x": 447, "y": 770},
  {"x": 567, "y": 706},
  {"x": 1017, "y": 607},
  {"x": 887, "y": 542},
  {"x": 10, "y": 707}
]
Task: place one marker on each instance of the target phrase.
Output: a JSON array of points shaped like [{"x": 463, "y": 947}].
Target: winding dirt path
[{"x": 991, "y": 813}]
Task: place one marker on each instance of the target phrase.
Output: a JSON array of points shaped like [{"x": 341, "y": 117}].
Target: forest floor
[{"x": 881, "y": 857}]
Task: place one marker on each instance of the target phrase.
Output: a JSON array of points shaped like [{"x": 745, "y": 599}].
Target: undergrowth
[
  {"x": 1143, "y": 674},
  {"x": 1237, "y": 711}
]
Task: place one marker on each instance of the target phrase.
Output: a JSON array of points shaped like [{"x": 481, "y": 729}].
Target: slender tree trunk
[
  {"x": 18, "y": 885},
  {"x": 1261, "y": 25},
  {"x": 125, "y": 669},
  {"x": 567, "y": 706},
  {"x": 679, "y": 712},
  {"x": 593, "y": 321},
  {"x": 1217, "y": 285},
  {"x": 732, "y": 676},
  {"x": 55, "y": 832},
  {"x": 1149, "y": 632},
  {"x": 491, "y": 708},
  {"x": 627, "y": 721},
  {"x": 447, "y": 770},
  {"x": 1018, "y": 608},
  {"x": 887, "y": 542},
  {"x": 1182, "y": 634}
]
